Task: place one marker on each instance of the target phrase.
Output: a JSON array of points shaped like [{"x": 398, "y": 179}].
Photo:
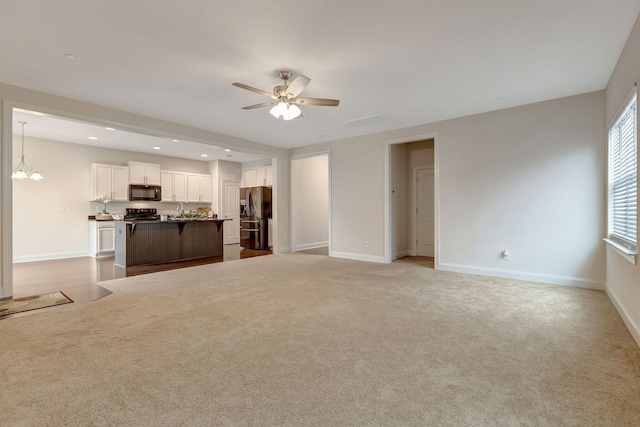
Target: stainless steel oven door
[{"x": 253, "y": 233}]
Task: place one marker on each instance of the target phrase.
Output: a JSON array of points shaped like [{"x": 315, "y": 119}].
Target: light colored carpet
[{"x": 311, "y": 340}]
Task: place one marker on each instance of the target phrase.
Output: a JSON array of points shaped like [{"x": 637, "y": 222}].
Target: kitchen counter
[{"x": 154, "y": 243}]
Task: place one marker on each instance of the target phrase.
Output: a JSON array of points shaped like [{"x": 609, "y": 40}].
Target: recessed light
[
  {"x": 70, "y": 56},
  {"x": 227, "y": 150},
  {"x": 175, "y": 140},
  {"x": 94, "y": 138},
  {"x": 109, "y": 128},
  {"x": 156, "y": 148},
  {"x": 203, "y": 155}
]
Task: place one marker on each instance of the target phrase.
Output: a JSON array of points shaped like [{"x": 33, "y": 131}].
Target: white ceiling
[
  {"x": 39, "y": 125},
  {"x": 403, "y": 62}
]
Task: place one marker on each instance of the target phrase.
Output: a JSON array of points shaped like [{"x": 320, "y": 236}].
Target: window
[{"x": 623, "y": 178}]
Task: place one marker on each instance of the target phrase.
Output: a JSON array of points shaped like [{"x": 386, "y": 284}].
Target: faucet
[{"x": 180, "y": 208}]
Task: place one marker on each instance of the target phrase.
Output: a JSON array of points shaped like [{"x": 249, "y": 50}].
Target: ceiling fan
[{"x": 285, "y": 98}]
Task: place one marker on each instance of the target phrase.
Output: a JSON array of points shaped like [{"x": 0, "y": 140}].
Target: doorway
[
  {"x": 411, "y": 199},
  {"x": 310, "y": 204}
]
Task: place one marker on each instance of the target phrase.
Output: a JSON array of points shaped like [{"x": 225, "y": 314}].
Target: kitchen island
[{"x": 142, "y": 246}]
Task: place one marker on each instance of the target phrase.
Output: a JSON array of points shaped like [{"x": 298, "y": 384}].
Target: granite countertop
[
  {"x": 174, "y": 221},
  {"x": 93, "y": 218}
]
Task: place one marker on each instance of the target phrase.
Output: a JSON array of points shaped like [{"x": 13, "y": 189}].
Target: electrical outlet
[
  {"x": 506, "y": 255},
  {"x": 366, "y": 243}
]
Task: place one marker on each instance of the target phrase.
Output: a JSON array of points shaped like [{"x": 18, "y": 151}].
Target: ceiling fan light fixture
[
  {"x": 280, "y": 109},
  {"x": 285, "y": 97},
  {"x": 292, "y": 112}
]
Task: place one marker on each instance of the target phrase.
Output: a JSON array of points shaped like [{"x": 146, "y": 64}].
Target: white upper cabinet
[
  {"x": 120, "y": 183},
  {"x": 199, "y": 188},
  {"x": 258, "y": 177},
  {"x": 250, "y": 178},
  {"x": 174, "y": 186},
  {"x": 100, "y": 181},
  {"x": 268, "y": 176},
  {"x": 144, "y": 173},
  {"x": 109, "y": 182}
]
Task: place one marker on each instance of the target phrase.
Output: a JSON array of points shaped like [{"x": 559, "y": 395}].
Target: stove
[{"x": 141, "y": 214}]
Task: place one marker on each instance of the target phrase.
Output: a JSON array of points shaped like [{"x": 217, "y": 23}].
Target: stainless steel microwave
[{"x": 148, "y": 193}]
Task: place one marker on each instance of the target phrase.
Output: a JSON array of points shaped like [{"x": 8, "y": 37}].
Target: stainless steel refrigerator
[{"x": 255, "y": 212}]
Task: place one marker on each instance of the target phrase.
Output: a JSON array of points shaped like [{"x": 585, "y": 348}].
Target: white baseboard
[
  {"x": 551, "y": 279},
  {"x": 47, "y": 257},
  {"x": 634, "y": 329},
  {"x": 306, "y": 246},
  {"x": 283, "y": 250},
  {"x": 358, "y": 257}
]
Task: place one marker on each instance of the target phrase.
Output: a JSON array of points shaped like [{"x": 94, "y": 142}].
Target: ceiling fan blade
[
  {"x": 253, "y": 89},
  {"x": 317, "y": 101},
  {"x": 297, "y": 85},
  {"x": 264, "y": 104}
]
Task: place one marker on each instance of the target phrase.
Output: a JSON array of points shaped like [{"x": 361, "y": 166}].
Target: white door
[
  {"x": 230, "y": 208},
  {"x": 425, "y": 212}
]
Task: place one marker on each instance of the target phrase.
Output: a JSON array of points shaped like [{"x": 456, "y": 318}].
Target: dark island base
[
  {"x": 150, "y": 244},
  {"x": 153, "y": 268}
]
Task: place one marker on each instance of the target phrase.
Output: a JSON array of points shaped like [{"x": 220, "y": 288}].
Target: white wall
[
  {"x": 256, "y": 164},
  {"x": 219, "y": 170},
  {"x": 357, "y": 193},
  {"x": 310, "y": 202},
  {"x": 623, "y": 278},
  {"x": 50, "y": 216},
  {"x": 529, "y": 179}
]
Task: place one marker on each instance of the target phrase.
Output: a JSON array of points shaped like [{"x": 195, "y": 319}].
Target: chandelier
[{"x": 23, "y": 171}]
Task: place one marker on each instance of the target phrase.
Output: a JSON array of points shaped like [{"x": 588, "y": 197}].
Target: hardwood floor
[{"x": 78, "y": 277}]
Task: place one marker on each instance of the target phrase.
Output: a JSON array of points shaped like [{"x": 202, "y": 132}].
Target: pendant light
[{"x": 23, "y": 171}]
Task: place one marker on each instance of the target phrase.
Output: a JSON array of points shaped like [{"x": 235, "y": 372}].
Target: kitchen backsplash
[{"x": 163, "y": 208}]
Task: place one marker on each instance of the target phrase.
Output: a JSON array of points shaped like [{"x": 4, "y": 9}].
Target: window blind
[{"x": 623, "y": 177}]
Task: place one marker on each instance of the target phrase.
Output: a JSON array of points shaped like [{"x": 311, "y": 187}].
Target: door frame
[
  {"x": 388, "y": 220},
  {"x": 6, "y": 290},
  {"x": 414, "y": 248},
  {"x": 292, "y": 186}
]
